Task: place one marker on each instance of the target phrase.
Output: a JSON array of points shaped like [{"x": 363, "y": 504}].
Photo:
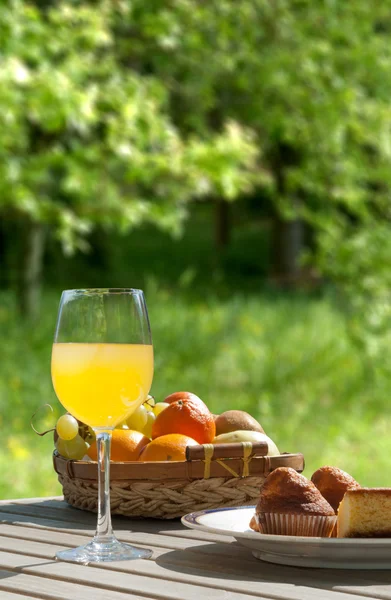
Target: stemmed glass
[{"x": 102, "y": 368}]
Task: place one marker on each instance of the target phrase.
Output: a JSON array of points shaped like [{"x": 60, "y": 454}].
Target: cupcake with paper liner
[{"x": 290, "y": 504}]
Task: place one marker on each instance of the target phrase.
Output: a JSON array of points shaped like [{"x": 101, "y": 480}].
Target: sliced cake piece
[{"x": 365, "y": 513}]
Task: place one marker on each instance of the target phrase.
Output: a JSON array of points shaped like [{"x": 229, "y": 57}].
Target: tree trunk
[
  {"x": 288, "y": 235},
  {"x": 222, "y": 223},
  {"x": 287, "y": 247},
  {"x": 32, "y": 245}
]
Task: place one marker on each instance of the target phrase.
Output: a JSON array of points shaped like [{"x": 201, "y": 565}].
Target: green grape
[
  {"x": 89, "y": 436},
  {"x": 67, "y": 427},
  {"x": 159, "y": 407},
  {"x": 138, "y": 419},
  {"x": 74, "y": 449},
  {"x": 147, "y": 430},
  {"x": 150, "y": 402}
]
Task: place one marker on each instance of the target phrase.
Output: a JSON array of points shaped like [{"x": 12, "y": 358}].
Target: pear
[{"x": 234, "y": 437}]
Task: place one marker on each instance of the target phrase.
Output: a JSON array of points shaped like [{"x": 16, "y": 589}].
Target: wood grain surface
[{"x": 185, "y": 565}]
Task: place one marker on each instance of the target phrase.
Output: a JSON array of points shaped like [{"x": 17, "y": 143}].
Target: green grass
[
  {"x": 218, "y": 331},
  {"x": 285, "y": 358}
]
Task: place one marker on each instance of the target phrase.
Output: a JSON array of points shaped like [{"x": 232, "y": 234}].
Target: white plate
[{"x": 328, "y": 553}]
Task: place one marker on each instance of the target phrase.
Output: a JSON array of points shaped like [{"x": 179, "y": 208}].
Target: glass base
[{"x": 97, "y": 552}]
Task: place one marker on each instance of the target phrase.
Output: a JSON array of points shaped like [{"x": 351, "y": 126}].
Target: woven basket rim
[
  {"x": 160, "y": 462},
  {"x": 168, "y": 490},
  {"x": 186, "y": 470}
]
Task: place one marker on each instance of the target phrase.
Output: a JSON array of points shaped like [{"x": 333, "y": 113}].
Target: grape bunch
[
  {"x": 73, "y": 439},
  {"x": 144, "y": 416}
]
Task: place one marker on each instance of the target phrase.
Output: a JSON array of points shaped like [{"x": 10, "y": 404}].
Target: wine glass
[{"x": 102, "y": 369}]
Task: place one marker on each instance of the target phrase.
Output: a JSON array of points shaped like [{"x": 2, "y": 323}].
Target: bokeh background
[{"x": 233, "y": 159}]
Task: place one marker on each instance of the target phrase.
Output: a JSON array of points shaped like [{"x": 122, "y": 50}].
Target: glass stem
[{"x": 104, "y": 532}]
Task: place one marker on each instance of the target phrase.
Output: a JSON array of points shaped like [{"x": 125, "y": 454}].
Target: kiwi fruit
[{"x": 236, "y": 420}]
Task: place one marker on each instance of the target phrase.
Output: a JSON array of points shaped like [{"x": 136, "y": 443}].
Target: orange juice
[{"x": 101, "y": 384}]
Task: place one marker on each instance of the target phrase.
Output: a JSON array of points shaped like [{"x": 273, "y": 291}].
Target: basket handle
[{"x": 236, "y": 450}]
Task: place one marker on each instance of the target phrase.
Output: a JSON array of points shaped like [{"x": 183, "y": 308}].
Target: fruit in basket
[
  {"x": 181, "y": 396},
  {"x": 167, "y": 447},
  {"x": 69, "y": 438},
  {"x": 247, "y": 436},
  {"x": 126, "y": 445},
  {"x": 73, "y": 449},
  {"x": 87, "y": 433},
  {"x": 159, "y": 407},
  {"x": 187, "y": 415},
  {"x": 67, "y": 427},
  {"x": 142, "y": 418},
  {"x": 151, "y": 418},
  {"x": 149, "y": 402},
  {"x": 236, "y": 420},
  {"x": 138, "y": 419}
]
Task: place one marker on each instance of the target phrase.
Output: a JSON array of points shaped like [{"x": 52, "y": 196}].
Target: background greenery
[
  {"x": 234, "y": 161},
  {"x": 287, "y": 358}
]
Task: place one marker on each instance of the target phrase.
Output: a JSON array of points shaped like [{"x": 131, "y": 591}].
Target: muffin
[
  {"x": 254, "y": 523},
  {"x": 290, "y": 504},
  {"x": 333, "y": 483}
]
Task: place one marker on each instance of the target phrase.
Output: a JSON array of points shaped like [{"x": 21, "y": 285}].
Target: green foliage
[
  {"x": 188, "y": 262},
  {"x": 114, "y": 114},
  {"x": 287, "y": 360},
  {"x": 311, "y": 80},
  {"x": 120, "y": 113},
  {"x": 358, "y": 261},
  {"x": 87, "y": 137}
]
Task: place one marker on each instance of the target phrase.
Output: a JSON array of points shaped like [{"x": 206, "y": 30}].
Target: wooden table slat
[
  {"x": 224, "y": 552},
  {"x": 186, "y": 565},
  {"x": 48, "y": 589},
  {"x": 191, "y": 575},
  {"x": 72, "y": 515},
  {"x": 238, "y": 575},
  {"x": 141, "y": 539},
  {"x": 148, "y": 585},
  {"x": 15, "y": 596}
]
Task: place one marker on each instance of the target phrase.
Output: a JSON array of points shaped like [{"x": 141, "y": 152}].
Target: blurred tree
[
  {"x": 310, "y": 78},
  {"x": 86, "y": 136},
  {"x": 113, "y": 113}
]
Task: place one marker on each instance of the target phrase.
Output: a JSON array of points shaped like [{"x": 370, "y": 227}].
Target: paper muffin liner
[
  {"x": 334, "y": 530},
  {"x": 299, "y": 525}
]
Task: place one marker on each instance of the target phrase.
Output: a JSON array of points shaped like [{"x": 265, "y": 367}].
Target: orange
[
  {"x": 181, "y": 396},
  {"x": 126, "y": 445},
  {"x": 167, "y": 447},
  {"x": 187, "y": 415}
]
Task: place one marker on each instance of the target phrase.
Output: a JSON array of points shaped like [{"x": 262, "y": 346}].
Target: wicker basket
[{"x": 211, "y": 477}]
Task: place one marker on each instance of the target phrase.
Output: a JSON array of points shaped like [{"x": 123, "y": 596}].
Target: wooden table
[{"x": 186, "y": 564}]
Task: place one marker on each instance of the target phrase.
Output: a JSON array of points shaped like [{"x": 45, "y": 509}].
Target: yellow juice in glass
[{"x": 100, "y": 384}]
